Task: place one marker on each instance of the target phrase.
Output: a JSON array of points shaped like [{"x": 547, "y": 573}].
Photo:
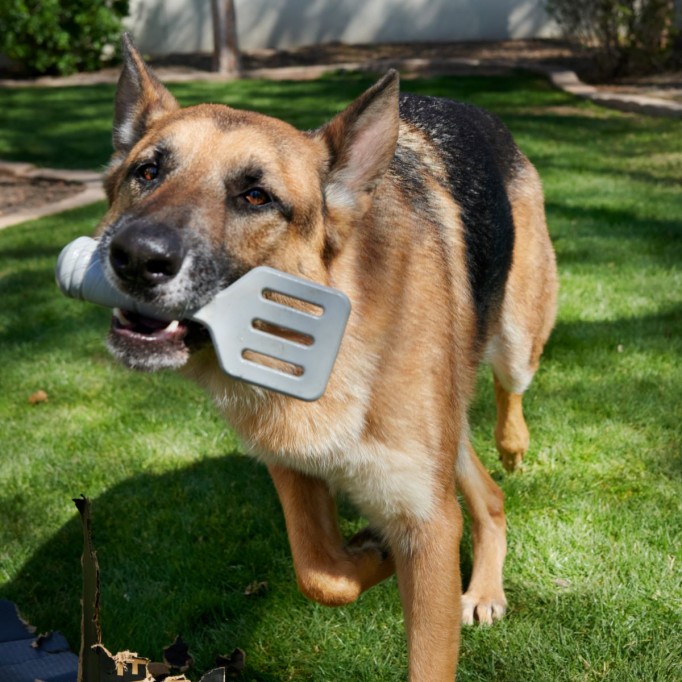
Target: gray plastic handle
[
  {"x": 234, "y": 319},
  {"x": 80, "y": 274}
]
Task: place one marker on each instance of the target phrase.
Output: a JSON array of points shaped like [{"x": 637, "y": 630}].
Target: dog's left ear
[
  {"x": 141, "y": 99},
  {"x": 361, "y": 142}
]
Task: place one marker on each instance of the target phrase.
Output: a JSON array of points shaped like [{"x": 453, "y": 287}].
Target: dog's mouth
[
  {"x": 147, "y": 329},
  {"x": 150, "y": 344}
]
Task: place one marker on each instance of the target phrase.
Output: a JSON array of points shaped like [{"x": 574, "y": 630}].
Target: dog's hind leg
[
  {"x": 512, "y": 437},
  {"x": 526, "y": 316},
  {"x": 515, "y": 355},
  {"x": 327, "y": 571},
  {"x": 484, "y": 600}
]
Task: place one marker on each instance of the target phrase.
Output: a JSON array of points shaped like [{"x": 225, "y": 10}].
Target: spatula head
[
  {"x": 269, "y": 328},
  {"x": 277, "y": 331}
]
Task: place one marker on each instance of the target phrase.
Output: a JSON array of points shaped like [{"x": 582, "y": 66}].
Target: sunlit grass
[{"x": 183, "y": 522}]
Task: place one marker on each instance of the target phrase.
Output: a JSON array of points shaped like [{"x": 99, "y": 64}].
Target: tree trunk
[{"x": 226, "y": 59}]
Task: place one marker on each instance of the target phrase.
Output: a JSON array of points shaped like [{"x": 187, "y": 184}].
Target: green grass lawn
[{"x": 184, "y": 523}]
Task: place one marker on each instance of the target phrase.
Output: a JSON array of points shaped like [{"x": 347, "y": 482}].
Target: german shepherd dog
[{"x": 426, "y": 214}]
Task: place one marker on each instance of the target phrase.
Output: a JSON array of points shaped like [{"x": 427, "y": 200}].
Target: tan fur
[{"x": 391, "y": 430}]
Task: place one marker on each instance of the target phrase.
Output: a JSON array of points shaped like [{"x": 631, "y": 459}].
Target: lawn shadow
[
  {"x": 176, "y": 552},
  {"x": 647, "y": 398},
  {"x": 658, "y": 239},
  {"x": 75, "y": 134}
]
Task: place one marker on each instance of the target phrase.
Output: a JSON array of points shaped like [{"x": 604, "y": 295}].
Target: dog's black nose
[{"x": 146, "y": 254}]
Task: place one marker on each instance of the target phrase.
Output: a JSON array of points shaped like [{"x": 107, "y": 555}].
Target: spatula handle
[
  {"x": 231, "y": 316},
  {"x": 80, "y": 274}
]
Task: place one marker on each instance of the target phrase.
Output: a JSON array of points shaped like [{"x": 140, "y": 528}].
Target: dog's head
[{"x": 199, "y": 196}]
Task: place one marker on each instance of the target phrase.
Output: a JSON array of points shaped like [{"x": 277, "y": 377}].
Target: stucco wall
[{"x": 163, "y": 26}]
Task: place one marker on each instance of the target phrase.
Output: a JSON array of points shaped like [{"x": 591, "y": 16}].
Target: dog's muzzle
[{"x": 146, "y": 259}]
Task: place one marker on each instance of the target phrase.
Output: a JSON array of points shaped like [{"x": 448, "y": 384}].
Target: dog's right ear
[{"x": 141, "y": 99}]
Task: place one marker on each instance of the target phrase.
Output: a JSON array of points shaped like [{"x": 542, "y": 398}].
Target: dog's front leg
[
  {"x": 427, "y": 564},
  {"x": 327, "y": 571}
]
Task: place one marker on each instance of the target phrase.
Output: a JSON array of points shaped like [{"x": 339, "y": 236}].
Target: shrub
[
  {"x": 60, "y": 36},
  {"x": 629, "y": 35}
]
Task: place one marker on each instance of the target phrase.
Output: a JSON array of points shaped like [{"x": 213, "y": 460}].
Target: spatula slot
[
  {"x": 270, "y": 362},
  {"x": 282, "y": 332},
  {"x": 293, "y": 302}
]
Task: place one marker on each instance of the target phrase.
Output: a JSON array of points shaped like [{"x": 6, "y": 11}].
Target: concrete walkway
[
  {"x": 633, "y": 102},
  {"x": 563, "y": 79}
]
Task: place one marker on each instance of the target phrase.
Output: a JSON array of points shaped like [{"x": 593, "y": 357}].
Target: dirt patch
[
  {"x": 18, "y": 192},
  {"x": 555, "y": 52},
  {"x": 552, "y": 51},
  {"x": 484, "y": 55}
]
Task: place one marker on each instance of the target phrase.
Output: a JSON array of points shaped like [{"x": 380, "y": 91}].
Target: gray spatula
[{"x": 249, "y": 321}]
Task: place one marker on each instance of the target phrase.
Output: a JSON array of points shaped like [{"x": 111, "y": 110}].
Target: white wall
[{"x": 163, "y": 26}]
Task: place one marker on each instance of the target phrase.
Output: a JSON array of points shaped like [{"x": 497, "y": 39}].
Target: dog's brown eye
[
  {"x": 148, "y": 172},
  {"x": 256, "y": 197}
]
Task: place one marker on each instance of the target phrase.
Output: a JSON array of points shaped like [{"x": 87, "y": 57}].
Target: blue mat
[{"x": 26, "y": 658}]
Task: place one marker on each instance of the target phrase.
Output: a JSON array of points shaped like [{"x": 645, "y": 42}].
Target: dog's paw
[
  {"x": 371, "y": 556},
  {"x": 512, "y": 444},
  {"x": 511, "y": 461},
  {"x": 482, "y": 609}
]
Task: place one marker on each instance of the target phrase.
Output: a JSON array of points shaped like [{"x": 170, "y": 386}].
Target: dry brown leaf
[
  {"x": 256, "y": 588},
  {"x": 37, "y": 397}
]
